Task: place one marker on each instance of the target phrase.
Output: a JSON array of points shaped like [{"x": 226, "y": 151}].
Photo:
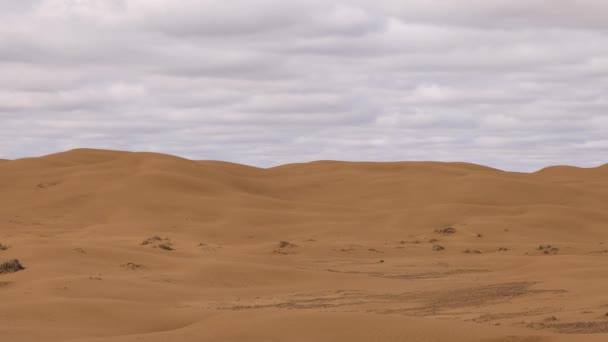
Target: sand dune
[{"x": 121, "y": 246}]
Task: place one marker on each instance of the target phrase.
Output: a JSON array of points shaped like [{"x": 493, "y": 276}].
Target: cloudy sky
[{"x": 514, "y": 84}]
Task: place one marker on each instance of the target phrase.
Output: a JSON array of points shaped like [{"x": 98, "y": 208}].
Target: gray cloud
[{"x": 512, "y": 84}]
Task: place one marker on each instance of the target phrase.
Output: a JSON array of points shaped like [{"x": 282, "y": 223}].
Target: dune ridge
[{"x": 121, "y": 246}]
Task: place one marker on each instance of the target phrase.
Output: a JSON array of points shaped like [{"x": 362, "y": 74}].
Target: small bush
[
  {"x": 548, "y": 249},
  {"x": 151, "y": 240},
  {"x": 285, "y": 244},
  {"x": 165, "y": 247},
  {"x": 11, "y": 266},
  {"x": 446, "y": 230},
  {"x": 133, "y": 266},
  {"x": 471, "y": 251}
]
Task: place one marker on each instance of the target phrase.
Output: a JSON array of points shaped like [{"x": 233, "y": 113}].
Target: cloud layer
[{"x": 512, "y": 84}]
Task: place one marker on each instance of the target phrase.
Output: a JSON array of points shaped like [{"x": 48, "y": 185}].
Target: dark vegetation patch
[
  {"x": 133, "y": 266},
  {"x": 11, "y": 266},
  {"x": 475, "y": 297},
  {"x": 284, "y": 248},
  {"x": 438, "y": 248},
  {"x": 548, "y": 249},
  {"x": 47, "y": 185},
  {"x": 446, "y": 230},
  {"x": 471, "y": 251},
  {"x": 409, "y": 303},
  {"x": 411, "y": 276},
  {"x": 152, "y": 240},
  {"x": 158, "y": 242},
  {"x": 285, "y": 244},
  {"x": 166, "y": 247},
  {"x": 581, "y": 327},
  {"x": 3, "y": 247}
]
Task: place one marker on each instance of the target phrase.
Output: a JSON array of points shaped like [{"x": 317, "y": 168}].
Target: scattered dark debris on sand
[
  {"x": 3, "y": 247},
  {"x": 489, "y": 317},
  {"x": 548, "y": 249},
  {"x": 502, "y": 249},
  {"x": 479, "y": 235},
  {"x": 438, "y": 248},
  {"x": 471, "y": 251},
  {"x": 416, "y": 241},
  {"x": 580, "y": 327},
  {"x": 11, "y": 266},
  {"x": 133, "y": 266},
  {"x": 551, "y": 319},
  {"x": 422, "y": 304},
  {"x": 446, "y": 230},
  {"x": 158, "y": 242},
  {"x": 373, "y": 250},
  {"x": 381, "y": 261},
  {"x": 80, "y": 250},
  {"x": 481, "y": 295}
]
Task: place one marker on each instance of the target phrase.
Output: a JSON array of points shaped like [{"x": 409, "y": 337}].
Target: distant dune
[{"x": 122, "y": 246}]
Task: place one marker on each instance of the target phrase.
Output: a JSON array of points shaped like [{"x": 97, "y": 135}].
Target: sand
[{"x": 121, "y": 246}]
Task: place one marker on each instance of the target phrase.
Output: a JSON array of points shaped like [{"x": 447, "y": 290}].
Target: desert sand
[{"x": 121, "y": 246}]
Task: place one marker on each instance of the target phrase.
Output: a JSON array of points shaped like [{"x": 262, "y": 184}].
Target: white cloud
[{"x": 514, "y": 84}]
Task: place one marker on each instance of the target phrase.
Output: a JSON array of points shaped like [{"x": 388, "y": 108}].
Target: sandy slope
[{"x": 358, "y": 264}]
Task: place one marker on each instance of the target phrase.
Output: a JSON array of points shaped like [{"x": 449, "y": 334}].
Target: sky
[{"x": 513, "y": 84}]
